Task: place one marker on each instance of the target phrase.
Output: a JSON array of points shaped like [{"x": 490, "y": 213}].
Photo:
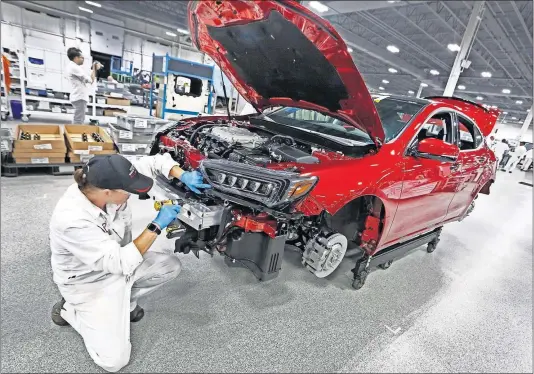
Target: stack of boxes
[
  {"x": 134, "y": 134},
  {"x": 86, "y": 141},
  {"x": 39, "y": 144},
  {"x": 112, "y": 112}
]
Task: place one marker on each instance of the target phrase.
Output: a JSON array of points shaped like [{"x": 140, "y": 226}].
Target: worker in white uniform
[
  {"x": 499, "y": 149},
  {"x": 99, "y": 270},
  {"x": 81, "y": 82},
  {"x": 528, "y": 160},
  {"x": 515, "y": 157}
]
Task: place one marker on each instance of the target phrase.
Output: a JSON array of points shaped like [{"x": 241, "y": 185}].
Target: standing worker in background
[
  {"x": 99, "y": 270},
  {"x": 528, "y": 160},
  {"x": 515, "y": 157},
  {"x": 499, "y": 149},
  {"x": 81, "y": 83}
]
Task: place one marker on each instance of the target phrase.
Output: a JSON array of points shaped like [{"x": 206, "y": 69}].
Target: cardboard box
[
  {"x": 73, "y": 134},
  {"x": 82, "y": 158},
  {"x": 116, "y": 101},
  {"x": 52, "y": 140},
  {"x": 32, "y": 158},
  {"x": 113, "y": 112}
]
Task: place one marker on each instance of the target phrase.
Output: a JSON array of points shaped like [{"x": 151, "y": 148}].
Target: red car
[{"x": 323, "y": 166}]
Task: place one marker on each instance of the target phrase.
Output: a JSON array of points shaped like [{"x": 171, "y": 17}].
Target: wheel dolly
[{"x": 385, "y": 257}]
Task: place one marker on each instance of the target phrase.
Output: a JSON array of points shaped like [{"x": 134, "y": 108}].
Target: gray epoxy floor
[{"x": 466, "y": 307}]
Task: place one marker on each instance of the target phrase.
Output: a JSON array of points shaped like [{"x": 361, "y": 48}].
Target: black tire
[
  {"x": 431, "y": 247},
  {"x": 386, "y": 265}
]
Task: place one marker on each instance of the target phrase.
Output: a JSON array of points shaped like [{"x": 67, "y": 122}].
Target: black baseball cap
[{"x": 114, "y": 172}]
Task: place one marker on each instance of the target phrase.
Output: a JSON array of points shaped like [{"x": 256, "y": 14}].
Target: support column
[
  {"x": 467, "y": 41},
  {"x": 420, "y": 90},
  {"x": 526, "y": 124}
]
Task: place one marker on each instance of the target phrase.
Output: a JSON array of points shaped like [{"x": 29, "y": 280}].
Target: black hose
[{"x": 198, "y": 129}]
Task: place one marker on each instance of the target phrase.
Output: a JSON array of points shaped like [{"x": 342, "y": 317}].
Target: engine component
[
  {"x": 257, "y": 252},
  {"x": 200, "y": 216},
  {"x": 324, "y": 253},
  {"x": 36, "y": 137},
  {"x": 25, "y": 136},
  {"x": 84, "y": 137},
  {"x": 249, "y": 156},
  {"x": 283, "y": 152},
  {"x": 97, "y": 138},
  {"x": 234, "y": 134}
]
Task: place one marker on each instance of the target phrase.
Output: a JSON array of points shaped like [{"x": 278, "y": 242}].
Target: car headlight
[{"x": 270, "y": 187}]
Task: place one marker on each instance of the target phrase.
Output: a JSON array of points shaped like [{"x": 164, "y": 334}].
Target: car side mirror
[{"x": 436, "y": 149}]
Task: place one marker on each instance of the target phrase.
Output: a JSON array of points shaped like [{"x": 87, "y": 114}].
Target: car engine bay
[{"x": 251, "y": 212}]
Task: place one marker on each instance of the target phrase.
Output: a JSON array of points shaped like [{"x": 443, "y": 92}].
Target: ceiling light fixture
[
  {"x": 461, "y": 87},
  {"x": 519, "y": 102},
  {"x": 85, "y": 9},
  {"x": 528, "y": 110},
  {"x": 454, "y": 47},
  {"x": 393, "y": 49},
  {"x": 318, "y": 6},
  {"x": 480, "y": 98},
  {"x": 486, "y": 74},
  {"x": 183, "y": 31},
  {"x": 434, "y": 72},
  {"x": 514, "y": 117},
  {"x": 391, "y": 70},
  {"x": 170, "y": 33},
  {"x": 506, "y": 91},
  {"x": 385, "y": 81},
  {"x": 380, "y": 88},
  {"x": 504, "y": 112},
  {"x": 494, "y": 106},
  {"x": 93, "y": 4},
  {"x": 411, "y": 92},
  {"x": 350, "y": 49},
  {"x": 424, "y": 85}
]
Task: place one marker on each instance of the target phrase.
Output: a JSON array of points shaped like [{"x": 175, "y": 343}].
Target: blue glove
[
  {"x": 166, "y": 215},
  {"x": 193, "y": 180}
]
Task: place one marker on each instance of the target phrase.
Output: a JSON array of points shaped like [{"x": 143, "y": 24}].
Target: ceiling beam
[
  {"x": 336, "y": 7},
  {"x": 388, "y": 59},
  {"x": 451, "y": 12},
  {"x": 500, "y": 36}
]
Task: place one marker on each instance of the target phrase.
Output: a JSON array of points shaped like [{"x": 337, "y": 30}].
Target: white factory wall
[{"x": 55, "y": 33}]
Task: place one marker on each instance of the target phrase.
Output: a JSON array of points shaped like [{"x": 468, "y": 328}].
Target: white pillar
[
  {"x": 465, "y": 47},
  {"x": 420, "y": 90},
  {"x": 526, "y": 124}
]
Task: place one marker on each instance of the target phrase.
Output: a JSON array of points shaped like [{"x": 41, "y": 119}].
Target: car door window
[
  {"x": 439, "y": 126},
  {"x": 469, "y": 136}
]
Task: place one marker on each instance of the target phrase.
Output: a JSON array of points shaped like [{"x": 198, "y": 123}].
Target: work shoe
[
  {"x": 56, "y": 313},
  {"x": 137, "y": 314}
]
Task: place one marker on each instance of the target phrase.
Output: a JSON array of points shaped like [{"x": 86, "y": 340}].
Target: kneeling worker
[{"x": 99, "y": 270}]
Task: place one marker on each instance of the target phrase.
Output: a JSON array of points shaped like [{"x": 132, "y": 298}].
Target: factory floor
[{"x": 466, "y": 307}]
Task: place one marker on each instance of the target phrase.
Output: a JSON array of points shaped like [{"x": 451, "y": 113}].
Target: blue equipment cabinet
[{"x": 185, "y": 87}]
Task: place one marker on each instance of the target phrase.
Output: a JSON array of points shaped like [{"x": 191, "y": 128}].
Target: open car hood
[{"x": 278, "y": 53}]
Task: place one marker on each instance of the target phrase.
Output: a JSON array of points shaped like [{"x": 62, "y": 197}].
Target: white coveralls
[
  {"x": 499, "y": 148},
  {"x": 528, "y": 160},
  {"x": 515, "y": 157},
  {"x": 99, "y": 270}
]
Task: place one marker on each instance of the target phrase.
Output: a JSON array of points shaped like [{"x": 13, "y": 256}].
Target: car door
[
  {"x": 428, "y": 185},
  {"x": 472, "y": 164}
]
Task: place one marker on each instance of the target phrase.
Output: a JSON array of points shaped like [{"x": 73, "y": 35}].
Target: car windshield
[{"x": 393, "y": 112}]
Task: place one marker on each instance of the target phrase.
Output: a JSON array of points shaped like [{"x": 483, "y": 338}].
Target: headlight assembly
[{"x": 270, "y": 187}]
